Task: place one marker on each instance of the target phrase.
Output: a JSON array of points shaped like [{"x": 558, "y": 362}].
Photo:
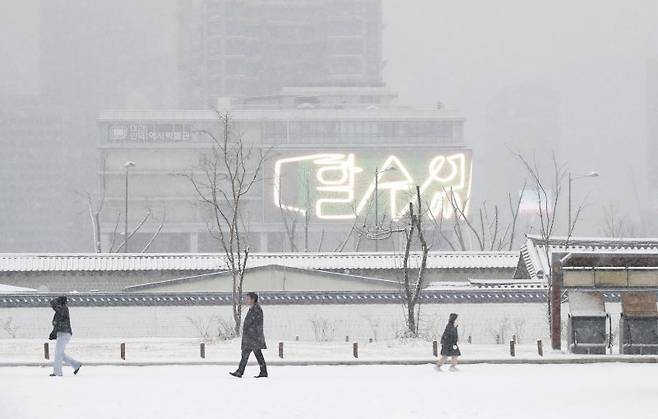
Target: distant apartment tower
[
  {"x": 36, "y": 212},
  {"x": 242, "y": 48}
]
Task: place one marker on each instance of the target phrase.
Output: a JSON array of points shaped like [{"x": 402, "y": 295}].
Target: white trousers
[{"x": 60, "y": 354}]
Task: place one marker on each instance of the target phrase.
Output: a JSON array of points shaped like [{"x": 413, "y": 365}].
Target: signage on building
[
  {"x": 341, "y": 185},
  {"x": 149, "y": 133}
]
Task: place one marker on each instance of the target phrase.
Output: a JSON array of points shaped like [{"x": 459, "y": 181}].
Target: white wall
[{"x": 481, "y": 321}]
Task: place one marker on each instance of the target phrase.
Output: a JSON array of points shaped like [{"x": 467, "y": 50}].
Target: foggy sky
[{"x": 593, "y": 54}]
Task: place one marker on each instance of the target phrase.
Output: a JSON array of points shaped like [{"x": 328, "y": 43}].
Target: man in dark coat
[
  {"x": 253, "y": 338},
  {"x": 62, "y": 333}
]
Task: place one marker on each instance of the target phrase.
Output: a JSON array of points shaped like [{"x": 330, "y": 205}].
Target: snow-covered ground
[
  {"x": 409, "y": 392},
  {"x": 177, "y": 350}
]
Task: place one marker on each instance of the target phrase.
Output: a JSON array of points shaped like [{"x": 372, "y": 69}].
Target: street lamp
[
  {"x": 572, "y": 178},
  {"x": 127, "y": 165},
  {"x": 377, "y": 173}
]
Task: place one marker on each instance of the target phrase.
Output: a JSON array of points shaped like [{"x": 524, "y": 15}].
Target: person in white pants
[
  {"x": 62, "y": 332},
  {"x": 63, "y": 339}
]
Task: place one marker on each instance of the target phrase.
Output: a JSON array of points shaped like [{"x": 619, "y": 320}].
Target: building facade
[
  {"x": 652, "y": 132},
  {"x": 323, "y": 145},
  {"x": 36, "y": 193},
  {"x": 251, "y": 48}
]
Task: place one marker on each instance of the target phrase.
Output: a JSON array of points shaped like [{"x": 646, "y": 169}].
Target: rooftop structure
[{"x": 534, "y": 264}]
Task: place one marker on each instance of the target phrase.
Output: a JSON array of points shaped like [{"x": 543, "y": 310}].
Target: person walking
[
  {"x": 62, "y": 333},
  {"x": 449, "y": 347},
  {"x": 253, "y": 338}
]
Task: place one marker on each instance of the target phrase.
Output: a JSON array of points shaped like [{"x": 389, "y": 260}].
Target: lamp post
[
  {"x": 572, "y": 178},
  {"x": 377, "y": 173},
  {"x": 127, "y": 165}
]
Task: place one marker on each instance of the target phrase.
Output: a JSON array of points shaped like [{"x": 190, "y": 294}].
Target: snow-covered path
[{"x": 477, "y": 391}]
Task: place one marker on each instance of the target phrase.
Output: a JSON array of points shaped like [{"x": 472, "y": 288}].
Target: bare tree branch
[{"x": 228, "y": 175}]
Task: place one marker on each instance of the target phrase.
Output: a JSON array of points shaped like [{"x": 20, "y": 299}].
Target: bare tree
[
  {"x": 548, "y": 194},
  {"x": 227, "y": 175},
  {"x": 514, "y": 210},
  {"x": 412, "y": 289},
  {"x": 412, "y": 229},
  {"x": 95, "y": 207},
  {"x": 615, "y": 224},
  {"x": 488, "y": 231},
  {"x": 290, "y": 220}
]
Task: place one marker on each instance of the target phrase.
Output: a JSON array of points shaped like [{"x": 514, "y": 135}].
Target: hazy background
[{"x": 585, "y": 62}]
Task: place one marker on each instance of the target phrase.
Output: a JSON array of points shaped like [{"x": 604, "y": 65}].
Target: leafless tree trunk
[
  {"x": 546, "y": 207},
  {"x": 96, "y": 209},
  {"x": 548, "y": 198},
  {"x": 514, "y": 210},
  {"x": 290, "y": 220},
  {"x": 228, "y": 174},
  {"x": 412, "y": 290}
]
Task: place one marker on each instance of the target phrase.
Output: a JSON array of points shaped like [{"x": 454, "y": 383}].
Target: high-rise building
[
  {"x": 241, "y": 48},
  {"x": 36, "y": 211},
  {"x": 652, "y": 132},
  {"x": 99, "y": 55}
]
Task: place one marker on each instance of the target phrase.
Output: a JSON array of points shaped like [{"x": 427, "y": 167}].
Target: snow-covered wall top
[{"x": 24, "y": 262}]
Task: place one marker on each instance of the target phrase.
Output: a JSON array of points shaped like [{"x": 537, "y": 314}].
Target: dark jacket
[
  {"x": 449, "y": 341},
  {"x": 61, "y": 319},
  {"x": 252, "y": 331}
]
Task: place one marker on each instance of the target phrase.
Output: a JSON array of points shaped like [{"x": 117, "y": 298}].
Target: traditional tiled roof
[
  {"x": 278, "y": 298},
  {"x": 534, "y": 263},
  {"x": 209, "y": 262}
]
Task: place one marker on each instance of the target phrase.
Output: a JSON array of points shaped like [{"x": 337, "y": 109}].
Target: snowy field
[
  {"x": 400, "y": 392},
  {"x": 186, "y": 350}
]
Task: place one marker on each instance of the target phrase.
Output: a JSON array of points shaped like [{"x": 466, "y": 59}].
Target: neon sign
[{"x": 341, "y": 185}]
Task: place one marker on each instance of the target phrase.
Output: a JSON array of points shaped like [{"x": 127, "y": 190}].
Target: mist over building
[
  {"x": 92, "y": 55},
  {"x": 255, "y": 48},
  {"x": 303, "y": 79},
  {"x": 652, "y": 131},
  {"x": 36, "y": 205},
  {"x": 523, "y": 119}
]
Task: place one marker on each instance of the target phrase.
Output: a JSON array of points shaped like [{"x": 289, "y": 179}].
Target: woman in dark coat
[
  {"x": 253, "y": 338},
  {"x": 62, "y": 333},
  {"x": 449, "y": 348}
]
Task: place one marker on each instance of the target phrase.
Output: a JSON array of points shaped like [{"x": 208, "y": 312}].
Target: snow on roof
[
  {"x": 386, "y": 113},
  {"x": 534, "y": 257},
  {"x": 10, "y": 289},
  {"x": 227, "y": 274},
  {"x": 487, "y": 284},
  {"x": 25, "y": 262}
]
